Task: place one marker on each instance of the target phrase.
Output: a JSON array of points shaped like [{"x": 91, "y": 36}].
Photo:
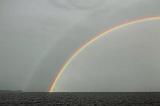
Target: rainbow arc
[{"x": 105, "y": 33}]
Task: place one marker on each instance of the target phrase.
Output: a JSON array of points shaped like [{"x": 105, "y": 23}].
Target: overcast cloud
[{"x": 38, "y": 36}]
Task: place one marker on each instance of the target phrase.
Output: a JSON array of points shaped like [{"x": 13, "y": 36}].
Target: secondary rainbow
[{"x": 79, "y": 50}]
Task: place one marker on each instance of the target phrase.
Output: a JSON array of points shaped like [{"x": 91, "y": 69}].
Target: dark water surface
[{"x": 79, "y": 99}]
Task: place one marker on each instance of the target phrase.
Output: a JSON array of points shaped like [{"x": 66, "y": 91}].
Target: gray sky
[{"x": 37, "y": 36}]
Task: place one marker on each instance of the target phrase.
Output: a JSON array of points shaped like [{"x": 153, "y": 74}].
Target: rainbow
[{"x": 98, "y": 36}]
